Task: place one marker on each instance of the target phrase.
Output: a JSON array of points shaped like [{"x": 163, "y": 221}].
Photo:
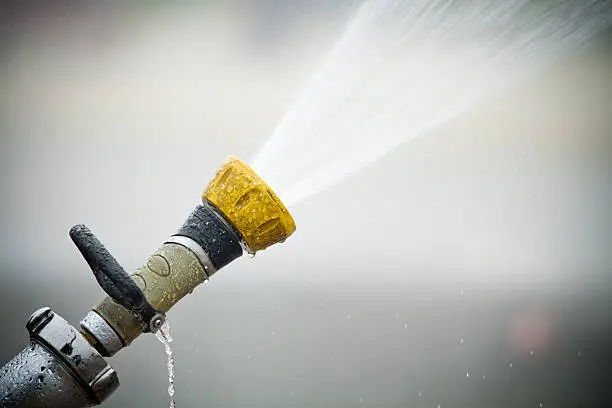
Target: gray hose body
[{"x": 59, "y": 368}]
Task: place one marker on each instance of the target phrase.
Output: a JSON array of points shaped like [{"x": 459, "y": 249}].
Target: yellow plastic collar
[{"x": 250, "y": 205}]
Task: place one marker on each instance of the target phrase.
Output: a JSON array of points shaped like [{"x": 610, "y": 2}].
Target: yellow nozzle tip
[{"x": 250, "y": 205}]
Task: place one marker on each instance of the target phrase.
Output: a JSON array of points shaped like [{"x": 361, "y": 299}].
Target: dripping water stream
[{"x": 163, "y": 335}]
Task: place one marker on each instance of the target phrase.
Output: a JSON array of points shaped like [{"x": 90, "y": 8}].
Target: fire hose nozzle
[
  {"x": 239, "y": 211},
  {"x": 64, "y": 368}
]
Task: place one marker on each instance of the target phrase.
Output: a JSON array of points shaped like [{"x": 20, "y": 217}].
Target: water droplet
[
  {"x": 531, "y": 352},
  {"x": 348, "y": 317},
  {"x": 484, "y": 377},
  {"x": 360, "y": 399},
  {"x": 461, "y": 341},
  {"x": 420, "y": 394},
  {"x": 510, "y": 365},
  {"x": 467, "y": 374},
  {"x": 579, "y": 353},
  {"x": 405, "y": 325}
]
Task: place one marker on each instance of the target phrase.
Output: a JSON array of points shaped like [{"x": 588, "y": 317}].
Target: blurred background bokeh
[{"x": 482, "y": 277}]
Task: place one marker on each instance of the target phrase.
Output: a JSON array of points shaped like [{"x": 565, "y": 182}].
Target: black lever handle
[{"x": 114, "y": 280}]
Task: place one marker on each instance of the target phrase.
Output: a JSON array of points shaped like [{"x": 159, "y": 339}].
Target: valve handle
[{"x": 115, "y": 281}]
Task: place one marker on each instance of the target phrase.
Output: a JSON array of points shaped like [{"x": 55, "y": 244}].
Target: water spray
[
  {"x": 65, "y": 367},
  {"x": 400, "y": 69}
]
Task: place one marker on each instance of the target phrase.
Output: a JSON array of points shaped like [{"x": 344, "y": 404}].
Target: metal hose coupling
[
  {"x": 238, "y": 212},
  {"x": 58, "y": 368}
]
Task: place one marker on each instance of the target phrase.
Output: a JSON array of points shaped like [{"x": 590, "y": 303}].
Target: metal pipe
[{"x": 59, "y": 368}]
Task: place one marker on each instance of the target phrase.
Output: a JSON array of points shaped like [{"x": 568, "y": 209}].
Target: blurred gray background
[{"x": 469, "y": 268}]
